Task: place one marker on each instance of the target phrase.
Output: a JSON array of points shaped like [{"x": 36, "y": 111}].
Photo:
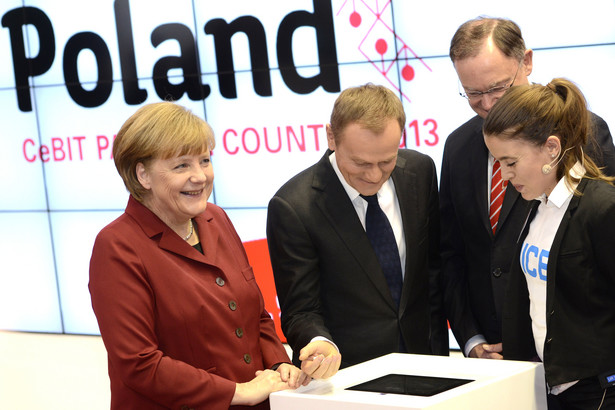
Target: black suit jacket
[
  {"x": 328, "y": 279},
  {"x": 475, "y": 262},
  {"x": 580, "y": 336}
]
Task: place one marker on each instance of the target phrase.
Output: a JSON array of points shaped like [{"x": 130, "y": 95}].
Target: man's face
[
  {"x": 366, "y": 159},
  {"x": 491, "y": 69}
]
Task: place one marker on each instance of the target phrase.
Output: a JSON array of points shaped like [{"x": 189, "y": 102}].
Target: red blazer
[{"x": 180, "y": 327}]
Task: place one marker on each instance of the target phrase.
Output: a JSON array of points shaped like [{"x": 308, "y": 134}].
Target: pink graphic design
[{"x": 375, "y": 17}]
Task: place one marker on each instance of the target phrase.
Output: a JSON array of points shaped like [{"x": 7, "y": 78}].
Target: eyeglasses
[{"x": 496, "y": 91}]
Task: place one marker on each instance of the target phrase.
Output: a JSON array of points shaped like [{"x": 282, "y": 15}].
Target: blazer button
[
  {"x": 247, "y": 358},
  {"x": 497, "y": 272},
  {"x": 220, "y": 281},
  {"x": 239, "y": 332},
  {"x": 232, "y": 305}
]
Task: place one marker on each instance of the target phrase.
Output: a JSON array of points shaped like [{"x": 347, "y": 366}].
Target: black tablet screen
[{"x": 409, "y": 384}]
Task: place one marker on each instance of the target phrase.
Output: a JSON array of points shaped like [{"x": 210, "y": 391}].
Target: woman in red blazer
[
  {"x": 179, "y": 310},
  {"x": 560, "y": 301}
]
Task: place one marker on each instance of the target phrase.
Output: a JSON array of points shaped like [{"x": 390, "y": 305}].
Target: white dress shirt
[
  {"x": 387, "y": 199},
  {"x": 534, "y": 257}
]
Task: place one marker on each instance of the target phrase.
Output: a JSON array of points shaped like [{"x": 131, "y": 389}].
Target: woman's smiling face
[{"x": 178, "y": 186}]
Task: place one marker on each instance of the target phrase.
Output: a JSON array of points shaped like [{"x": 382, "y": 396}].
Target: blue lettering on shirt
[
  {"x": 543, "y": 259},
  {"x": 534, "y": 261}
]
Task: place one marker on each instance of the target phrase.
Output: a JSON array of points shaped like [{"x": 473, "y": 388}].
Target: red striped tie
[{"x": 498, "y": 187}]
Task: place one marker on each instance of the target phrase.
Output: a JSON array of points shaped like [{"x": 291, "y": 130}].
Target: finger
[
  {"x": 284, "y": 371},
  {"x": 307, "y": 351},
  {"x": 322, "y": 369},
  {"x": 310, "y": 365},
  {"x": 334, "y": 366},
  {"x": 303, "y": 379},
  {"x": 317, "y": 373},
  {"x": 292, "y": 378},
  {"x": 490, "y": 348},
  {"x": 480, "y": 351},
  {"x": 276, "y": 380}
]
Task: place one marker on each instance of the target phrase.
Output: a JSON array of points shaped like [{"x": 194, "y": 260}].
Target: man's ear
[
  {"x": 528, "y": 63},
  {"x": 330, "y": 138}
]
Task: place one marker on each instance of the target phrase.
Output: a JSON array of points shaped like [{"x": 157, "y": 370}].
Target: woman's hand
[
  {"x": 258, "y": 389},
  {"x": 293, "y": 375}
]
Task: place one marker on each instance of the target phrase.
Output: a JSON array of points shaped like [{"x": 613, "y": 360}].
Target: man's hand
[
  {"x": 320, "y": 359},
  {"x": 487, "y": 351}
]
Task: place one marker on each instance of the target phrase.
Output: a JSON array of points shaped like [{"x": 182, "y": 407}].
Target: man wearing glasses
[{"x": 482, "y": 216}]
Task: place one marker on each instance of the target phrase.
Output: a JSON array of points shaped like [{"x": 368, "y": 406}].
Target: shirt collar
[
  {"x": 562, "y": 191},
  {"x": 352, "y": 193}
]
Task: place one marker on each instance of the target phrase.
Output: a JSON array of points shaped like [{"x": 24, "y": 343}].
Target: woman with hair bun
[{"x": 560, "y": 303}]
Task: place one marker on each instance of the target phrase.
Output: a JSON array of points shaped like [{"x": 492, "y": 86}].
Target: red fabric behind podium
[{"x": 258, "y": 255}]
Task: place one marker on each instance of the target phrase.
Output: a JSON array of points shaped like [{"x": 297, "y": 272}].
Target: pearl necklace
[{"x": 191, "y": 231}]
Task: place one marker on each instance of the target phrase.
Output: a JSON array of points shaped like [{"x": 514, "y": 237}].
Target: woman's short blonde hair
[{"x": 158, "y": 131}]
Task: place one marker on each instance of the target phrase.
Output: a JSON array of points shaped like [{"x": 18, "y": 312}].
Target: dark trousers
[{"x": 587, "y": 394}]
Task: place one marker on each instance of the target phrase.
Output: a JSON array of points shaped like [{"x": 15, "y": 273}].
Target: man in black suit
[
  {"x": 489, "y": 56},
  {"x": 335, "y": 300}
]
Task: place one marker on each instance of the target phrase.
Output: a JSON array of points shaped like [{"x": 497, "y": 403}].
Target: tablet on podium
[{"x": 407, "y": 381}]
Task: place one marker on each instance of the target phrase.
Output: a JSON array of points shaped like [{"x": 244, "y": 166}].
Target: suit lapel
[
  {"x": 481, "y": 157},
  {"x": 478, "y": 162},
  {"x": 338, "y": 209},
  {"x": 555, "y": 247},
  {"x": 510, "y": 196},
  {"x": 169, "y": 240},
  {"x": 403, "y": 178}
]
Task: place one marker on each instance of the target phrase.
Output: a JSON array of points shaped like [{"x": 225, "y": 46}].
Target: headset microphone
[{"x": 547, "y": 168}]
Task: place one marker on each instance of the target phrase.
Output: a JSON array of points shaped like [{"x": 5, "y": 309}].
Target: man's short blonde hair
[{"x": 370, "y": 106}]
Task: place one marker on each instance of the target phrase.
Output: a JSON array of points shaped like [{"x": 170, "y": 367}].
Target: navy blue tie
[{"x": 380, "y": 234}]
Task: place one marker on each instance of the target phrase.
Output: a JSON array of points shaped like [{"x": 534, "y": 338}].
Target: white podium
[{"x": 495, "y": 384}]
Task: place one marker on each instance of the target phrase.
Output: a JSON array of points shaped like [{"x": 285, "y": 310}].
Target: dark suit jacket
[
  {"x": 169, "y": 315},
  {"x": 475, "y": 262},
  {"x": 580, "y": 336},
  {"x": 328, "y": 279}
]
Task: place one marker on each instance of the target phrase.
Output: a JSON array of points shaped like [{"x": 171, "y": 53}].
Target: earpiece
[{"x": 547, "y": 168}]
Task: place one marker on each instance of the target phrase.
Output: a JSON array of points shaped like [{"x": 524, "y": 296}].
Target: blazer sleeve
[
  {"x": 439, "y": 328},
  {"x": 294, "y": 259},
  {"x": 454, "y": 269},
  {"x": 601, "y": 230}
]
